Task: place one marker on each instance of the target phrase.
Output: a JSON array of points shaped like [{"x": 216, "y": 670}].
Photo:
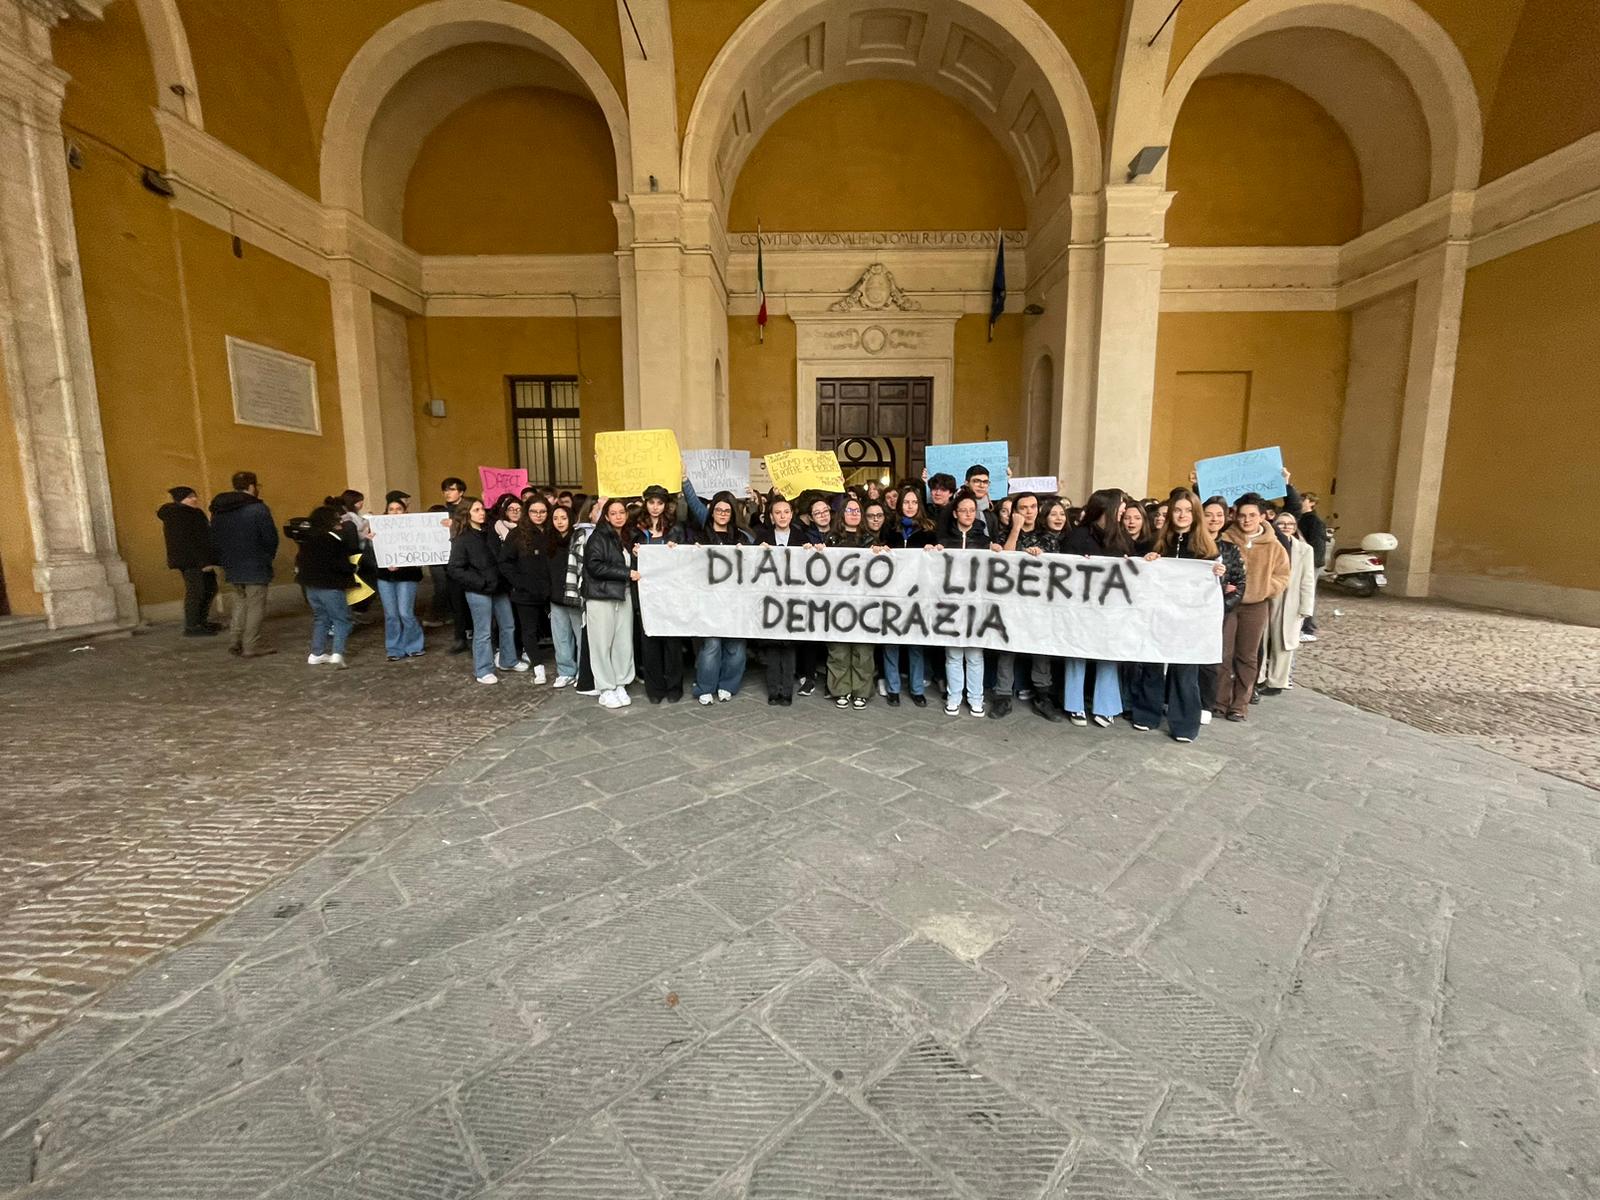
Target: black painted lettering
[
  {"x": 880, "y": 571},
  {"x": 766, "y": 565},
  {"x": 916, "y": 621},
  {"x": 1089, "y": 570},
  {"x": 1028, "y": 572},
  {"x": 791, "y": 577},
  {"x": 1115, "y": 582},
  {"x": 849, "y": 572},
  {"x": 944, "y": 619},
  {"x": 818, "y": 569},
  {"x": 771, "y": 612},
  {"x": 845, "y": 617},
  {"x": 818, "y": 612},
  {"x": 1059, "y": 586},
  {"x": 891, "y": 620},
  {"x": 949, "y": 563},
  {"x": 993, "y": 620},
  {"x": 718, "y": 567},
  {"x": 1000, "y": 581},
  {"x": 795, "y": 620}
]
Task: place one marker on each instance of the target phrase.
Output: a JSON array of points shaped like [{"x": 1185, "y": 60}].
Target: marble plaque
[{"x": 272, "y": 389}]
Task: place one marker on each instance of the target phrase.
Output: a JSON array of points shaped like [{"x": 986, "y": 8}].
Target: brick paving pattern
[
  {"x": 1519, "y": 685},
  {"x": 781, "y": 953}
]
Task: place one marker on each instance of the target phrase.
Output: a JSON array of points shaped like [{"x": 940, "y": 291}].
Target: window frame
[{"x": 547, "y": 412}]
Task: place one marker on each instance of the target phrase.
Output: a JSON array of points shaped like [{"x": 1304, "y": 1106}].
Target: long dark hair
[
  {"x": 1102, "y": 513},
  {"x": 326, "y": 518},
  {"x": 669, "y": 515},
  {"x": 461, "y": 519},
  {"x": 727, "y": 498},
  {"x": 557, "y": 540},
  {"x": 526, "y": 534}
]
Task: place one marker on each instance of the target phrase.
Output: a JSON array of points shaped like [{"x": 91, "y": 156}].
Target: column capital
[{"x": 52, "y": 12}]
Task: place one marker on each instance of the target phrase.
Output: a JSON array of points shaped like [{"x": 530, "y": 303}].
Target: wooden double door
[{"x": 900, "y": 409}]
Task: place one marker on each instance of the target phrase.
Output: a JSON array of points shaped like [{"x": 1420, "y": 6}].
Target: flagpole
[{"x": 761, "y": 290}]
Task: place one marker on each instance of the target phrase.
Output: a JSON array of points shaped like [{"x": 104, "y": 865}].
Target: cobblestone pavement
[
  {"x": 153, "y": 783},
  {"x": 1522, "y": 686},
  {"x": 785, "y": 953}
]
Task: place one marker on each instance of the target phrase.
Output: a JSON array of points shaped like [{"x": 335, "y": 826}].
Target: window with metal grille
[{"x": 544, "y": 426}]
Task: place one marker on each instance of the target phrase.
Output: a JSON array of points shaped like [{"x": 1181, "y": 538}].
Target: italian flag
[{"x": 761, "y": 291}]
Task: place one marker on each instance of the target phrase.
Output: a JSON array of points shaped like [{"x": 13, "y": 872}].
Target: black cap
[
  {"x": 656, "y": 492},
  {"x": 181, "y": 493},
  {"x": 397, "y": 494}
]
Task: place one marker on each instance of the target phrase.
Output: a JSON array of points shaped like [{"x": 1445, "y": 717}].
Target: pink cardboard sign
[{"x": 497, "y": 481}]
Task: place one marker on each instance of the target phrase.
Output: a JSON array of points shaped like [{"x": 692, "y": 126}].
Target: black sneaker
[
  {"x": 1000, "y": 706},
  {"x": 201, "y": 631},
  {"x": 919, "y": 700},
  {"x": 774, "y": 701},
  {"x": 842, "y": 702},
  {"x": 858, "y": 702},
  {"x": 1042, "y": 706},
  {"x": 459, "y": 648},
  {"x": 807, "y": 686},
  {"x": 892, "y": 699}
]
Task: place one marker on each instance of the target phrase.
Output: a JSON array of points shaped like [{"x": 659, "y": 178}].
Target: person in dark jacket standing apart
[
  {"x": 189, "y": 552},
  {"x": 324, "y": 568},
  {"x": 607, "y": 571},
  {"x": 245, "y": 539},
  {"x": 475, "y": 569}
]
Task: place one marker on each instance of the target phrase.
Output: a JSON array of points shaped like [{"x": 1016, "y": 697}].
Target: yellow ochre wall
[
  {"x": 1525, "y": 419},
  {"x": 16, "y": 540},
  {"x": 1296, "y": 365},
  {"x": 162, "y": 292},
  {"x": 466, "y": 360},
  {"x": 1258, "y": 163},
  {"x": 1549, "y": 93},
  {"x": 546, "y": 187},
  {"x": 879, "y": 154}
]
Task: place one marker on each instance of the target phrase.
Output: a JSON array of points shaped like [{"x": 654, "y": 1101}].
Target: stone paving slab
[{"x": 1322, "y": 954}]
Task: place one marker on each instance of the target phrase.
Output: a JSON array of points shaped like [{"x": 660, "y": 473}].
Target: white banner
[
  {"x": 411, "y": 539},
  {"x": 713, "y": 471},
  {"x": 1040, "y": 485},
  {"x": 1124, "y": 610}
]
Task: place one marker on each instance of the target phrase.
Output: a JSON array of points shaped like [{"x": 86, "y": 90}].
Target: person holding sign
[
  {"x": 608, "y": 608},
  {"x": 1174, "y": 688},
  {"x": 523, "y": 551},
  {"x": 475, "y": 570},
  {"x": 660, "y": 658},
  {"x": 963, "y": 665},
  {"x": 1099, "y": 535},
  {"x": 850, "y": 663},
  {"x": 1266, "y": 574},
  {"x": 719, "y": 662},
  {"x": 397, "y": 592},
  {"x": 324, "y": 569}
]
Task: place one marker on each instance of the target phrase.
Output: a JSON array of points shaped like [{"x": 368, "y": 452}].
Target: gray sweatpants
[{"x": 609, "y": 628}]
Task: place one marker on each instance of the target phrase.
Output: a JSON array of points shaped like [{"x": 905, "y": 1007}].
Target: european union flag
[{"x": 997, "y": 290}]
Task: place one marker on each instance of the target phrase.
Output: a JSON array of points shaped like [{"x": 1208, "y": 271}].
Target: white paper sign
[
  {"x": 1124, "y": 610},
  {"x": 411, "y": 539},
  {"x": 1042, "y": 485},
  {"x": 713, "y": 471},
  {"x": 272, "y": 389}
]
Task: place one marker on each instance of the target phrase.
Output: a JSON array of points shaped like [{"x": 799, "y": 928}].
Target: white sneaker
[
  {"x": 316, "y": 660},
  {"x": 1102, "y": 722},
  {"x": 1308, "y": 637},
  {"x": 1025, "y": 693},
  {"x": 1205, "y": 716},
  {"x": 589, "y": 691},
  {"x": 952, "y": 712},
  {"x": 708, "y": 698},
  {"x": 337, "y": 662},
  {"x": 977, "y": 709},
  {"x": 489, "y": 678},
  {"x": 538, "y": 673},
  {"x": 562, "y": 681},
  {"x": 883, "y": 688},
  {"x": 520, "y": 666},
  {"x": 622, "y": 697},
  {"x": 609, "y": 700},
  {"x": 723, "y": 697},
  {"x": 523, "y": 657}
]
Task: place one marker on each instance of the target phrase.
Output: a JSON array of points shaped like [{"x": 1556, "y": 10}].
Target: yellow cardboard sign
[
  {"x": 630, "y": 460},
  {"x": 797, "y": 471},
  {"x": 361, "y": 590}
]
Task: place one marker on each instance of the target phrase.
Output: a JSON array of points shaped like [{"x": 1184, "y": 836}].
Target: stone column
[
  {"x": 45, "y": 330},
  {"x": 360, "y": 395},
  {"x": 1425, "y": 413},
  {"x": 1132, "y": 253}
]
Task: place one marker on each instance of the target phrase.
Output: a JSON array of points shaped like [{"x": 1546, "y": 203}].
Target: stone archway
[
  {"x": 1401, "y": 31},
  {"x": 997, "y": 57},
  {"x": 169, "y": 56},
  {"x": 432, "y": 29}
]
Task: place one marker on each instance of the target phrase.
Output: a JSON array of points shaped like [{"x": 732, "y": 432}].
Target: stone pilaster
[{"x": 45, "y": 331}]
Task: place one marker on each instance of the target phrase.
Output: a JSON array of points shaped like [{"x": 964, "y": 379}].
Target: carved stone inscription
[{"x": 273, "y": 389}]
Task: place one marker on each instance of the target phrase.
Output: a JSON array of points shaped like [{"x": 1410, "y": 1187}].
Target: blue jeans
[
  {"x": 402, "y": 632},
  {"x": 917, "y": 677},
  {"x": 718, "y": 666},
  {"x": 564, "y": 634},
  {"x": 959, "y": 663},
  {"x": 492, "y": 613},
  {"x": 1107, "y": 687},
  {"x": 329, "y": 612}
]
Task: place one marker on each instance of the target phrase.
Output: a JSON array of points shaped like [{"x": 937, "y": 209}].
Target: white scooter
[{"x": 1359, "y": 571}]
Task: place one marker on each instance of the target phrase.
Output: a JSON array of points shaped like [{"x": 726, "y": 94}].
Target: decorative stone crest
[
  {"x": 53, "y": 11},
  {"x": 875, "y": 291}
]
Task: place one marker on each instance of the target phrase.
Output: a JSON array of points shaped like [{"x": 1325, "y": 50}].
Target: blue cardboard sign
[
  {"x": 1232, "y": 475},
  {"x": 956, "y": 458}
]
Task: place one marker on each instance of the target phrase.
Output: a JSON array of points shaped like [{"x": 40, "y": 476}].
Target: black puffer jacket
[
  {"x": 472, "y": 563},
  {"x": 323, "y": 561},
  {"x": 606, "y": 566},
  {"x": 525, "y": 566},
  {"x": 188, "y": 535},
  {"x": 976, "y": 538}
]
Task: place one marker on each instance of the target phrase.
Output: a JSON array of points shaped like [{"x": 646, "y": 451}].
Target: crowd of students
[{"x": 560, "y": 570}]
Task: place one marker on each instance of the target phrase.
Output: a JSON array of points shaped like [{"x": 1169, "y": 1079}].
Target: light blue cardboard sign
[
  {"x": 1232, "y": 475},
  {"x": 955, "y": 459}
]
